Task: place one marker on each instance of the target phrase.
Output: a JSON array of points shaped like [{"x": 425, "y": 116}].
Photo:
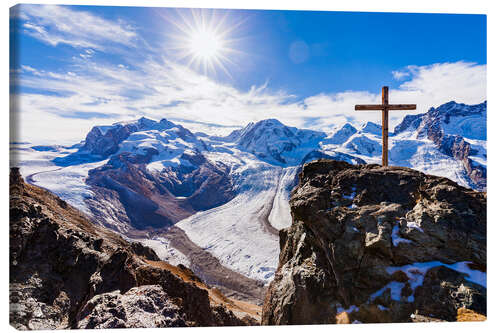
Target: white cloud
[
  {"x": 56, "y": 25},
  {"x": 168, "y": 90},
  {"x": 400, "y": 75},
  {"x": 427, "y": 86},
  {"x": 29, "y": 69},
  {"x": 460, "y": 81}
]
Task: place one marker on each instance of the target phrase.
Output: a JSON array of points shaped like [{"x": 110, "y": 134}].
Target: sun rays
[
  {"x": 204, "y": 40},
  {"x": 205, "y": 44}
]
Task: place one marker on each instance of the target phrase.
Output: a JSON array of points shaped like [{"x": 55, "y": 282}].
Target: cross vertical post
[
  {"x": 385, "y": 107},
  {"x": 385, "y": 125}
]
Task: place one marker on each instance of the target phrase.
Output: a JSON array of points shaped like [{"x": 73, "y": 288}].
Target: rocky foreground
[
  {"x": 66, "y": 272},
  {"x": 379, "y": 244}
]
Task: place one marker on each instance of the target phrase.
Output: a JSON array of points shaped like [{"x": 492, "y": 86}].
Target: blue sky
[{"x": 77, "y": 66}]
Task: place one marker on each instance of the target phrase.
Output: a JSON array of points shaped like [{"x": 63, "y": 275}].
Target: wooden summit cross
[{"x": 385, "y": 107}]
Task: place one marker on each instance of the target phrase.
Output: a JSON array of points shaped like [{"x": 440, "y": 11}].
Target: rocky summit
[
  {"x": 379, "y": 244},
  {"x": 66, "y": 272}
]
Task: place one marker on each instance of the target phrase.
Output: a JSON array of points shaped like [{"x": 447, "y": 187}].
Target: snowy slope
[
  {"x": 32, "y": 160},
  {"x": 167, "y": 146},
  {"x": 362, "y": 145},
  {"x": 468, "y": 121},
  {"x": 459, "y": 132}
]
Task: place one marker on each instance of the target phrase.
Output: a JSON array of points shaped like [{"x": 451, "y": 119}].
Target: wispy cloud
[
  {"x": 91, "y": 92},
  {"x": 400, "y": 75},
  {"x": 56, "y": 25}
]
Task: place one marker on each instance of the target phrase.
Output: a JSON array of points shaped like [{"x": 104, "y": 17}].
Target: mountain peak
[
  {"x": 105, "y": 140},
  {"x": 271, "y": 140},
  {"x": 453, "y": 108},
  {"x": 348, "y": 126},
  {"x": 144, "y": 123},
  {"x": 270, "y": 122},
  {"x": 342, "y": 135},
  {"x": 372, "y": 128}
]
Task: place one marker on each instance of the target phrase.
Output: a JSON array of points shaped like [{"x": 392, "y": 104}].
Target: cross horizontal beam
[
  {"x": 371, "y": 107},
  {"x": 385, "y": 107}
]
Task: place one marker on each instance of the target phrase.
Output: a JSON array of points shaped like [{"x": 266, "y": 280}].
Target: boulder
[{"x": 139, "y": 307}]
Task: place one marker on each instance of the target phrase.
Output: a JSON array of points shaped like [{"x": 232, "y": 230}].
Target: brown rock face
[
  {"x": 154, "y": 200},
  {"x": 378, "y": 244},
  {"x": 67, "y": 273}
]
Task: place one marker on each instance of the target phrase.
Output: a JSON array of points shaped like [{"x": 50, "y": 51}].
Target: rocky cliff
[
  {"x": 379, "y": 244},
  {"x": 66, "y": 272}
]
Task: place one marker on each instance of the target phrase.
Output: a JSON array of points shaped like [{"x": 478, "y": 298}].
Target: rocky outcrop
[
  {"x": 138, "y": 307},
  {"x": 378, "y": 244},
  {"x": 106, "y": 143},
  {"x": 66, "y": 272}
]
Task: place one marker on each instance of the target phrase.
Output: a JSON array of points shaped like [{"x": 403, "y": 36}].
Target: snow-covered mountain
[
  {"x": 229, "y": 195},
  {"x": 459, "y": 132},
  {"x": 274, "y": 142}
]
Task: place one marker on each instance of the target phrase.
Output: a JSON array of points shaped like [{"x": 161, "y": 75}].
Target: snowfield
[
  {"x": 68, "y": 183},
  {"x": 165, "y": 251},
  {"x": 280, "y": 216},
  {"x": 31, "y": 161}
]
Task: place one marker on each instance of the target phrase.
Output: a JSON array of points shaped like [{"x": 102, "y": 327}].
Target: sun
[
  {"x": 204, "y": 39},
  {"x": 205, "y": 44}
]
